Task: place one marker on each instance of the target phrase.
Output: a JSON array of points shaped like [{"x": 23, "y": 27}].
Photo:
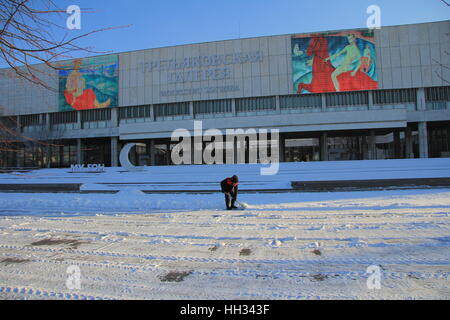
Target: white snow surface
[
  {"x": 206, "y": 177},
  {"x": 297, "y": 245}
]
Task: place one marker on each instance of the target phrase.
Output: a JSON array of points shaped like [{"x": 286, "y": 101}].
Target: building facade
[{"x": 334, "y": 95}]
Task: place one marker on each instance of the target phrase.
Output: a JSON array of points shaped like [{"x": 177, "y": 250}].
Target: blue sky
[
  {"x": 164, "y": 23},
  {"x": 174, "y": 22}
]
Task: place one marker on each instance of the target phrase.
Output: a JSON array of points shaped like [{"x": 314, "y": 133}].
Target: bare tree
[{"x": 33, "y": 32}]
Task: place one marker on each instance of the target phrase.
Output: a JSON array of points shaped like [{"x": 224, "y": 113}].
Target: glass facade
[
  {"x": 95, "y": 151},
  {"x": 37, "y": 140},
  {"x": 439, "y": 140},
  {"x": 296, "y": 150}
]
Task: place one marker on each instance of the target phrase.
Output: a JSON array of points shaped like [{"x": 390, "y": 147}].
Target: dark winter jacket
[{"x": 228, "y": 186}]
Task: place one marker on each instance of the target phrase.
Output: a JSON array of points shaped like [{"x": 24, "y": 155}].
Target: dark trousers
[{"x": 230, "y": 198}]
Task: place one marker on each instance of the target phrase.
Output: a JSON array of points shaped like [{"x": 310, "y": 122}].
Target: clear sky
[{"x": 174, "y": 22}]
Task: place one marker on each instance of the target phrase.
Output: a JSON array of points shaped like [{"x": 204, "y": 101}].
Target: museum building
[{"x": 332, "y": 95}]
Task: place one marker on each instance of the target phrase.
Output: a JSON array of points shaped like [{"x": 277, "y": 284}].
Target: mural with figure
[
  {"x": 89, "y": 83},
  {"x": 333, "y": 62}
]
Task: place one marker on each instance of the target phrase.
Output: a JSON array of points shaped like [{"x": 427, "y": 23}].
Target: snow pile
[
  {"x": 131, "y": 200},
  {"x": 207, "y": 177}
]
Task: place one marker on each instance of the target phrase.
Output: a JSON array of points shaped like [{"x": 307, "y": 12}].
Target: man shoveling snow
[{"x": 229, "y": 187}]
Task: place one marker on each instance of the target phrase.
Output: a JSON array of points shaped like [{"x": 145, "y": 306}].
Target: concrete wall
[
  {"x": 407, "y": 56},
  {"x": 410, "y": 56},
  {"x": 368, "y": 119}
]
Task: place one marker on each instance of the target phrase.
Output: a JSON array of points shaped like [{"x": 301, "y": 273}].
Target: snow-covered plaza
[{"x": 375, "y": 244}]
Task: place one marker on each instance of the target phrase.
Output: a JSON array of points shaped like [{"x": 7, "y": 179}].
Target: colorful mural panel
[
  {"x": 334, "y": 62},
  {"x": 89, "y": 83}
]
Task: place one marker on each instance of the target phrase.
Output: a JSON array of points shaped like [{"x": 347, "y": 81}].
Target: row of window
[
  {"x": 436, "y": 98},
  {"x": 437, "y": 94}
]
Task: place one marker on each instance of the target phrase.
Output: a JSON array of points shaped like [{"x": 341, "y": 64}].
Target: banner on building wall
[
  {"x": 89, "y": 83},
  {"x": 334, "y": 62}
]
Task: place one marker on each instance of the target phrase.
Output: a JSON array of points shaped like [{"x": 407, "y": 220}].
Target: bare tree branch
[{"x": 29, "y": 35}]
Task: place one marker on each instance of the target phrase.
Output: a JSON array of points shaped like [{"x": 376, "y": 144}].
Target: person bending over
[{"x": 229, "y": 187}]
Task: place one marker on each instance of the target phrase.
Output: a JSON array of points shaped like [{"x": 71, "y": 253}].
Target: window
[
  {"x": 437, "y": 98},
  {"x": 63, "y": 117},
  {"x": 212, "y": 106},
  {"x": 255, "y": 104},
  {"x": 9, "y": 122},
  {"x": 305, "y": 101},
  {"x": 394, "y": 96},
  {"x": 437, "y": 94},
  {"x": 171, "y": 109},
  {"x": 347, "y": 98},
  {"x": 96, "y": 115},
  {"x": 135, "y": 112},
  {"x": 30, "y": 120}
]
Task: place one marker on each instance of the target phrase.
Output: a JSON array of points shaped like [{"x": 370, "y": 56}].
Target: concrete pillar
[
  {"x": 48, "y": 125},
  {"x": 364, "y": 148},
  {"x": 397, "y": 145},
  {"x": 168, "y": 154},
  {"x": 18, "y": 124},
  {"x": 152, "y": 113},
  {"x": 19, "y": 159},
  {"x": 191, "y": 109},
  {"x": 277, "y": 104},
  {"x": 408, "y": 143},
  {"x": 233, "y": 107},
  {"x": 114, "y": 152},
  {"x": 114, "y": 119},
  {"x": 420, "y": 104},
  {"x": 372, "y": 146},
  {"x": 324, "y": 102},
  {"x": 370, "y": 94},
  {"x": 79, "y": 154},
  {"x": 281, "y": 149},
  {"x": 152, "y": 153},
  {"x": 324, "y": 146},
  {"x": 423, "y": 140},
  {"x": 235, "y": 150},
  {"x": 79, "y": 124}
]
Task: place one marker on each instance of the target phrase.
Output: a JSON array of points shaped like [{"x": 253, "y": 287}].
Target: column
[
  {"x": 277, "y": 104},
  {"x": 48, "y": 125},
  {"x": 114, "y": 152},
  {"x": 372, "y": 146},
  {"x": 79, "y": 124},
  {"x": 421, "y": 105},
  {"x": 235, "y": 149},
  {"x": 168, "y": 154},
  {"x": 281, "y": 149},
  {"x": 408, "y": 143},
  {"x": 233, "y": 107},
  {"x": 397, "y": 145},
  {"x": 114, "y": 121},
  {"x": 324, "y": 102},
  {"x": 423, "y": 140},
  {"x": 191, "y": 109},
  {"x": 19, "y": 158},
  {"x": 152, "y": 153},
  {"x": 370, "y": 93},
  {"x": 324, "y": 146},
  {"x": 79, "y": 154},
  {"x": 364, "y": 148}
]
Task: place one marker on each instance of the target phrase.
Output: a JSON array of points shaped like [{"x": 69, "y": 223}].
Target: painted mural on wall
[
  {"x": 334, "y": 62},
  {"x": 89, "y": 83}
]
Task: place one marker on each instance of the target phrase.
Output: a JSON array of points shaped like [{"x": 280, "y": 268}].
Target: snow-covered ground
[
  {"x": 294, "y": 245},
  {"x": 206, "y": 177}
]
